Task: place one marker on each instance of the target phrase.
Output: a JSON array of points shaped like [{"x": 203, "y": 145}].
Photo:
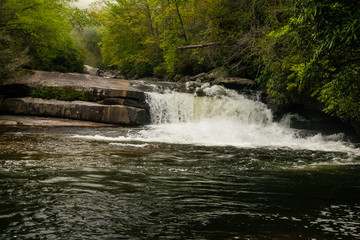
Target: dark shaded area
[{"x": 15, "y": 90}]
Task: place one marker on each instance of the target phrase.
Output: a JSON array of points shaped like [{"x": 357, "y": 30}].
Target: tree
[
  {"x": 314, "y": 56},
  {"x": 152, "y": 30},
  {"x": 128, "y": 37},
  {"x": 41, "y": 27}
]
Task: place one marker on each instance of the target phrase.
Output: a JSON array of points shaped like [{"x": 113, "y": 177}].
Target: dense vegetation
[
  {"x": 37, "y": 34},
  {"x": 298, "y": 51}
]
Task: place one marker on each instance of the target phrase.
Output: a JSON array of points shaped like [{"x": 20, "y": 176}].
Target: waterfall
[
  {"x": 219, "y": 103},
  {"x": 223, "y": 118}
]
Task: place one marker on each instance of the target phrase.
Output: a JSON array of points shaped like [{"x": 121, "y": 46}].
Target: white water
[{"x": 223, "y": 118}]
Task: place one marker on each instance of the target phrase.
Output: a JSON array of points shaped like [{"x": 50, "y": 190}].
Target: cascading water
[
  {"x": 225, "y": 118},
  {"x": 220, "y": 103}
]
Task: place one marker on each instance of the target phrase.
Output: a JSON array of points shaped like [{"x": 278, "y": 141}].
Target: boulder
[
  {"x": 235, "y": 83},
  {"x": 218, "y": 73},
  {"x": 201, "y": 78},
  {"x": 184, "y": 79},
  {"x": 91, "y": 70},
  {"x": 79, "y": 110},
  {"x": 215, "y": 74},
  {"x": 199, "y": 92}
]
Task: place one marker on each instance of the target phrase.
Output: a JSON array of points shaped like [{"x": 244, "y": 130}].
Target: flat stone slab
[
  {"x": 97, "y": 86},
  {"x": 10, "y": 120},
  {"x": 79, "y": 110}
]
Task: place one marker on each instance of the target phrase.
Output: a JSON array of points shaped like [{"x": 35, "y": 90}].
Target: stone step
[{"x": 79, "y": 110}]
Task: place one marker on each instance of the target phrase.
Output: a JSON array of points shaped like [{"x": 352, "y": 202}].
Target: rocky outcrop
[
  {"x": 95, "y": 112},
  {"x": 100, "y": 88},
  {"x": 118, "y": 100},
  {"x": 220, "y": 76}
]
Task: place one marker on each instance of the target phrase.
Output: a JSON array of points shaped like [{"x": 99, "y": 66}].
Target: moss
[{"x": 62, "y": 94}]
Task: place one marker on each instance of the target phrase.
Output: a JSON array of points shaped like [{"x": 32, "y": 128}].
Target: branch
[
  {"x": 30, "y": 7},
  {"x": 199, "y": 45}
]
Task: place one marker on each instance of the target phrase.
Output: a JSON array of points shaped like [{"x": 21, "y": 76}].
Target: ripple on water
[{"x": 59, "y": 187}]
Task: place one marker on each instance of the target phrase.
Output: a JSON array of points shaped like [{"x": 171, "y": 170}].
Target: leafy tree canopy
[{"x": 42, "y": 29}]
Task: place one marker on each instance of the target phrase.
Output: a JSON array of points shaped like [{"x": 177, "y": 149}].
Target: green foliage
[
  {"x": 298, "y": 51},
  {"x": 61, "y": 94},
  {"x": 154, "y": 29},
  {"x": 342, "y": 95},
  {"x": 81, "y": 19},
  {"x": 314, "y": 54},
  {"x": 134, "y": 66},
  {"x": 42, "y": 29}
]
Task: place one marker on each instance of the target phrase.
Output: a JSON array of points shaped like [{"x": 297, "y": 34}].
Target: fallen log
[{"x": 199, "y": 45}]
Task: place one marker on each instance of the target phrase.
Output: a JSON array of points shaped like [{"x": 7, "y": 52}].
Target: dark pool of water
[{"x": 54, "y": 186}]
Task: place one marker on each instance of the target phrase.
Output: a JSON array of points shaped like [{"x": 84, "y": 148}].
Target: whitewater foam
[{"x": 222, "y": 118}]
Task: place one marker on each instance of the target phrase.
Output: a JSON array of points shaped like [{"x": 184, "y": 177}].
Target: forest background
[{"x": 298, "y": 51}]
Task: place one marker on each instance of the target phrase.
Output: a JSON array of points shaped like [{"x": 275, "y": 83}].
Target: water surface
[{"x": 56, "y": 185}]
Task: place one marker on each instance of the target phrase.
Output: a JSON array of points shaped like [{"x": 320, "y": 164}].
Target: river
[{"x": 217, "y": 167}]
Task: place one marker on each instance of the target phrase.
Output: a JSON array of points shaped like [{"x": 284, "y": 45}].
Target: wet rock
[
  {"x": 200, "y": 92},
  {"x": 191, "y": 86},
  {"x": 79, "y": 110}
]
